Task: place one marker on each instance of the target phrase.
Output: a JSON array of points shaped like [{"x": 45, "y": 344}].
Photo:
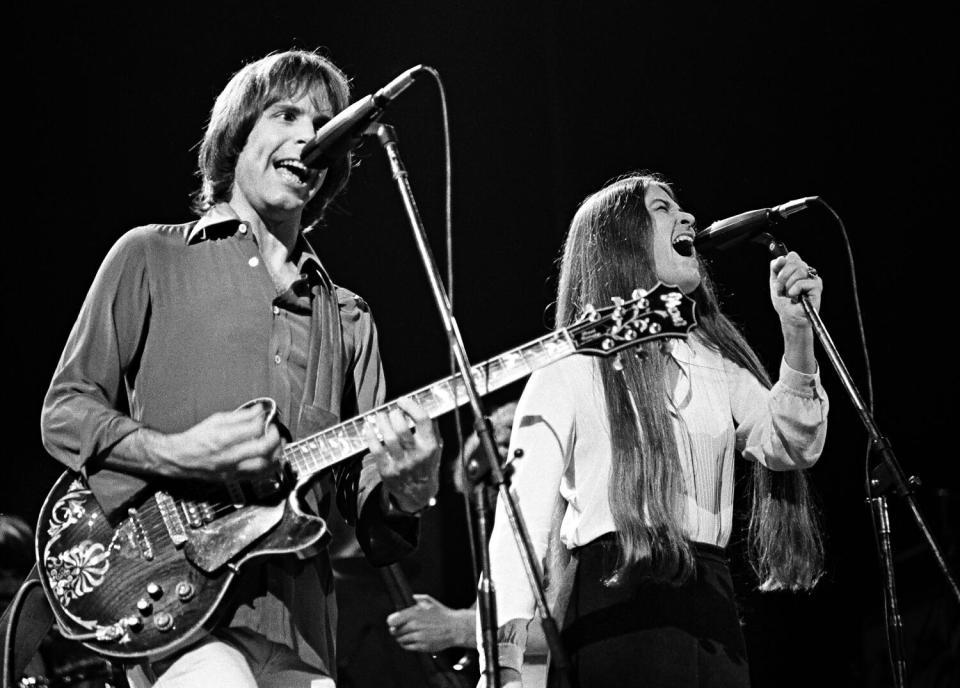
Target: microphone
[
  {"x": 725, "y": 233},
  {"x": 335, "y": 138}
]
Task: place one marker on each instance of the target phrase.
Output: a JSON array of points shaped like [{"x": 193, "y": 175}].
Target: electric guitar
[{"x": 150, "y": 582}]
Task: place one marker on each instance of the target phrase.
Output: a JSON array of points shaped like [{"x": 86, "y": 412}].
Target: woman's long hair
[{"x": 609, "y": 252}]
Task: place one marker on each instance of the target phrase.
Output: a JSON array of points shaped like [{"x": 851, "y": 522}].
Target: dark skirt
[{"x": 653, "y": 634}]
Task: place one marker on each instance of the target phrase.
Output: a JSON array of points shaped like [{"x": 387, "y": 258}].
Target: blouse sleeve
[
  {"x": 784, "y": 427},
  {"x": 543, "y": 430}
]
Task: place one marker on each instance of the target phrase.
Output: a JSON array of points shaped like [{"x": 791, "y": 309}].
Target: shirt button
[
  {"x": 276, "y": 310},
  {"x": 276, "y": 359},
  {"x": 243, "y": 228},
  {"x": 253, "y": 262}
]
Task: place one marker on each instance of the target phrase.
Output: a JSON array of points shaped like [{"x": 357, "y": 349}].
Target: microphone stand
[
  {"x": 886, "y": 476},
  {"x": 492, "y": 473}
]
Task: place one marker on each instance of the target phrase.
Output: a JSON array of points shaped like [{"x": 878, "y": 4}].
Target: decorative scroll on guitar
[{"x": 150, "y": 583}]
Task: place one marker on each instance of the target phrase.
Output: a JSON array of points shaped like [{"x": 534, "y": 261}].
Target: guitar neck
[{"x": 329, "y": 447}]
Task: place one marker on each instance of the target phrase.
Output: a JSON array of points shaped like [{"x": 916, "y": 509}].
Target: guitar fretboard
[{"x": 328, "y": 447}]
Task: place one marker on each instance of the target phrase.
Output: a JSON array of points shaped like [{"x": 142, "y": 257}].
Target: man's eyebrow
[
  {"x": 321, "y": 116},
  {"x": 285, "y": 105}
]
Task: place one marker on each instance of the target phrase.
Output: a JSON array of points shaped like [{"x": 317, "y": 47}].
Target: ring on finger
[
  {"x": 375, "y": 430},
  {"x": 811, "y": 271}
]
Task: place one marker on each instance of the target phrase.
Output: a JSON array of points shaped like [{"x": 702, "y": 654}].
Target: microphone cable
[{"x": 448, "y": 244}]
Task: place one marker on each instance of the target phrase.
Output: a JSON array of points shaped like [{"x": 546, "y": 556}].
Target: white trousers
[{"x": 233, "y": 658}]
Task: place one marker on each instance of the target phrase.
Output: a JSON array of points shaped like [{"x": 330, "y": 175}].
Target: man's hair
[{"x": 281, "y": 76}]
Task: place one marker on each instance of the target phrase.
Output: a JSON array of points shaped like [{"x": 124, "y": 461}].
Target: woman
[{"x": 631, "y": 466}]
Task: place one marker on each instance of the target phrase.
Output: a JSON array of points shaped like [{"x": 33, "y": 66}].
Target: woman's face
[{"x": 672, "y": 226}]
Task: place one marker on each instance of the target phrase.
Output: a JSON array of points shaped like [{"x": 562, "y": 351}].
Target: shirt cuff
[
  {"x": 510, "y": 656},
  {"x": 391, "y": 509},
  {"x": 385, "y": 538},
  {"x": 802, "y": 384}
]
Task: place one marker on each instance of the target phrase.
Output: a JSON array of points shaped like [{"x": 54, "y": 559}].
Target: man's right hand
[
  {"x": 236, "y": 445},
  {"x": 233, "y": 445}
]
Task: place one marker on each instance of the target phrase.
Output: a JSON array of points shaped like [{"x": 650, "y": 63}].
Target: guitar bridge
[{"x": 171, "y": 518}]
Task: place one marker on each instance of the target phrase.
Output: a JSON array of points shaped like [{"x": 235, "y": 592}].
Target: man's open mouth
[{"x": 296, "y": 169}]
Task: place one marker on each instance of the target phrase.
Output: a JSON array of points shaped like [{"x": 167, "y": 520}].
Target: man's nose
[
  {"x": 687, "y": 218},
  {"x": 305, "y": 131}
]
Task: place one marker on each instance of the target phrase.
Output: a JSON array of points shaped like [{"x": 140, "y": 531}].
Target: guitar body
[{"x": 154, "y": 581}]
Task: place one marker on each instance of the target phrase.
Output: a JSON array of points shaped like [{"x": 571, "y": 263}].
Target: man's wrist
[
  {"x": 144, "y": 451},
  {"x": 466, "y": 627}
]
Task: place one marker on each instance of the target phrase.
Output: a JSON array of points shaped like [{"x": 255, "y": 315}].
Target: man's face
[
  {"x": 269, "y": 177},
  {"x": 670, "y": 223}
]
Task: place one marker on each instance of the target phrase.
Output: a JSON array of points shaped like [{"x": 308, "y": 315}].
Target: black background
[{"x": 741, "y": 107}]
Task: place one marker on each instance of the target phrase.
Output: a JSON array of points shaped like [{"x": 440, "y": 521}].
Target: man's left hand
[{"x": 408, "y": 458}]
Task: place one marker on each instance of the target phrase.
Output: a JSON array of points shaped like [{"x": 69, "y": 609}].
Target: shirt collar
[
  {"x": 221, "y": 216},
  {"x": 222, "y": 220}
]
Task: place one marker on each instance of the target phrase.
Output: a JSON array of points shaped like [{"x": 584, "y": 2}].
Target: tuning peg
[
  {"x": 590, "y": 312},
  {"x": 638, "y": 293},
  {"x": 617, "y": 301}
]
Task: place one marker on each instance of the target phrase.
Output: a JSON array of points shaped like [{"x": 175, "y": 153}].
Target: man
[{"x": 186, "y": 323}]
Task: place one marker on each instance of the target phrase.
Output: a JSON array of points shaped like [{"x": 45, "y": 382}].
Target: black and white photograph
[{"x": 526, "y": 344}]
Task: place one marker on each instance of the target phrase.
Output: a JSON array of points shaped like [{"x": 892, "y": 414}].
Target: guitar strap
[
  {"x": 326, "y": 361},
  {"x": 32, "y": 624}
]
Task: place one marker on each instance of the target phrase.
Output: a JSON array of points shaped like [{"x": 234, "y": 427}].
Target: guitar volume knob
[
  {"x": 185, "y": 591},
  {"x": 154, "y": 590},
  {"x": 144, "y": 606},
  {"x": 163, "y": 621}
]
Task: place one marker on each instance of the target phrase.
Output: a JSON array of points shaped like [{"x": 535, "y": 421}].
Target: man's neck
[{"x": 276, "y": 238}]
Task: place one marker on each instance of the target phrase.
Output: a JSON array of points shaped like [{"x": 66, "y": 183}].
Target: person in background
[{"x": 431, "y": 626}]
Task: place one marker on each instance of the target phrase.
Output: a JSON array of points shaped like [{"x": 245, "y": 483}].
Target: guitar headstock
[{"x": 657, "y": 313}]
